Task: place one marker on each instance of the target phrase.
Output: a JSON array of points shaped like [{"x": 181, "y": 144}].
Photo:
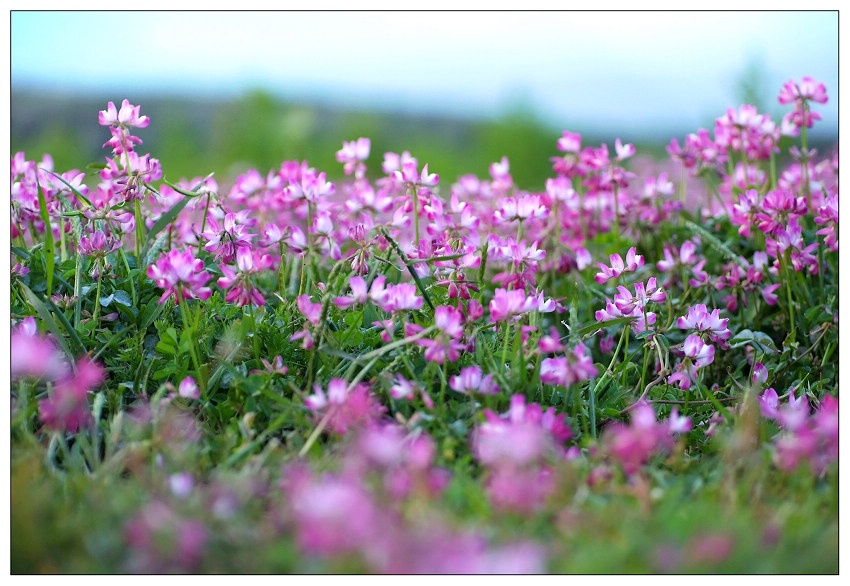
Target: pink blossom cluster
[
  {"x": 347, "y": 514},
  {"x": 801, "y": 95},
  {"x": 344, "y": 406},
  {"x": 514, "y": 447},
  {"x": 34, "y": 356},
  {"x": 180, "y": 274},
  {"x": 632, "y": 445},
  {"x": 805, "y": 437},
  {"x": 627, "y": 305}
]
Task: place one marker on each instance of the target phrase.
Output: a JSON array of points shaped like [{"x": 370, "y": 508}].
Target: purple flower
[
  {"x": 181, "y": 275},
  {"x": 470, "y": 381}
]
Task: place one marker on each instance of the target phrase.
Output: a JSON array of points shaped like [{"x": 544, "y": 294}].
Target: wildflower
[
  {"x": 507, "y": 305},
  {"x": 449, "y": 322},
  {"x": 188, "y": 389},
  {"x": 577, "y": 366},
  {"x": 643, "y": 295},
  {"x": 241, "y": 290},
  {"x": 181, "y": 275},
  {"x": 225, "y": 240},
  {"x": 698, "y": 318},
  {"x": 127, "y": 116},
  {"x": 618, "y": 266},
  {"x": 344, "y": 408},
  {"x": 702, "y": 353},
  {"x": 359, "y": 293},
  {"x": 828, "y": 218},
  {"x": 633, "y": 444},
  {"x": 33, "y": 355},
  {"x": 353, "y": 154},
  {"x": 67, "y": 408},
  {"x": 98, "y": 245},
  {"x": 470, "y": 381},
  {"x": 521, "y": 209}
]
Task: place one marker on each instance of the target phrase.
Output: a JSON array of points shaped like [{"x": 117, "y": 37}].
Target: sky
[{"x": 634, "y": 71}]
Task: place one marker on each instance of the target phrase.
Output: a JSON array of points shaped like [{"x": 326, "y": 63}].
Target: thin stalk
[
  {"x": 416, "y": 215},
  {"x": 203, "y": 222},
  {"x": 97, "y": 298},
  {"x": 187, "y": 325}
]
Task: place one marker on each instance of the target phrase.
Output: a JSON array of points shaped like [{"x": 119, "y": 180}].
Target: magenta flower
[
  {"x": 807, "y": 89},
  {"x": 181, "y": 275},
  {"x": 470, "y": 381},
  {"x": 127, "y": 116},
  {"x": 632, "y": 445},
  {"x": 353, "y": 154},
  {"x": 99, "y": 245},
  {"x": 698, "y": 318},
  {"x": 311, "y": 311},
  {"x": 34, "y": 355},
  {"x": 695, "y": 348},
  {"x": 643, "y": 295},
  {"x": 828, "y": 218},
  {"x": 188, "y": 389},
  {"x": 67, "y": 408},
  {"x": 507, "y": 305},
  {"x": 345, "y": 408},
  {"x": 567, "y": 370},
  {"x": 241, "y": 290},
  {"x": 445, "y": 346},
  {"x": 520, "y": 209},
  {"x": 618, "y": 267},
  {"x": 225, "y": 240}
]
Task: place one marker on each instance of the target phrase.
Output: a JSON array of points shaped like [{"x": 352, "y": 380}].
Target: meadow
[{"x": 374, "y": 367}]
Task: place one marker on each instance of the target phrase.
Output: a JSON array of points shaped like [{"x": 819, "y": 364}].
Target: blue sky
[{"x": 629, "y": 71}]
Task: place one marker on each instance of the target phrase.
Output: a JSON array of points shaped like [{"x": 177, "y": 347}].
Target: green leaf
[
  {"x": 71, "y": 187},
  {"x": 604, "y": 324},
  {"x": 49, "y": 255},
  {"x": 163, "y": 221},
  {"x": 747, "y": 337},
  {"x": 45, "y": 316},
  {"x": 149, "y": 314}
]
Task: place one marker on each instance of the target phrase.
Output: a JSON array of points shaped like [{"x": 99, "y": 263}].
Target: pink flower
[
  {"x": 520, "y": 209},
  {"x": 507, "y": 305},
  {"x": 695, "y": 348},
  {"x": 311, "y": 311},
  {"x": 188, "y": 389},
  {"x": 344, "y": 407},
  {"x": 181, "y": 275},
  {"x": 128, "y": 115},
  {"x": 618, "y": 267},
  {"x": 633, "y": 444},
  {"x": 807, "y": 89},
  {"x": 241, "y": 289},
  {"x": 759, "y": 374},
  {"x": 470, "y": 381},
  {"x": 353, "y": 154},
  {"x": 521, "y": 436},
  {"x": 567, "y": 370},
  {"x": 226, "y": 240},
  {"x": 98, "y": 245},
  {"x": 67, "y": 408},
  {"x": 33, "y": 355},
  {"x": 623, "y": 151}
]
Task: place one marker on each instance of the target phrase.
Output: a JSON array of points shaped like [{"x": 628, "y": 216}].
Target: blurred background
[{"x": 227, "y": 91}]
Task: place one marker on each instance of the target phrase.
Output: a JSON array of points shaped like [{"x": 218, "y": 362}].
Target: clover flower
[
  {"x": 344, "y": 408},
  {"x": 225, "y": 239},
  {"x": 67, "y": 407},
  {"x": 618, "y": 266},
  {"x": 353, "y": 154},
  {"x": 633, "y": 444},
  {"x": 181, "y": 275},
  {"x": 470, "y": 381}
]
